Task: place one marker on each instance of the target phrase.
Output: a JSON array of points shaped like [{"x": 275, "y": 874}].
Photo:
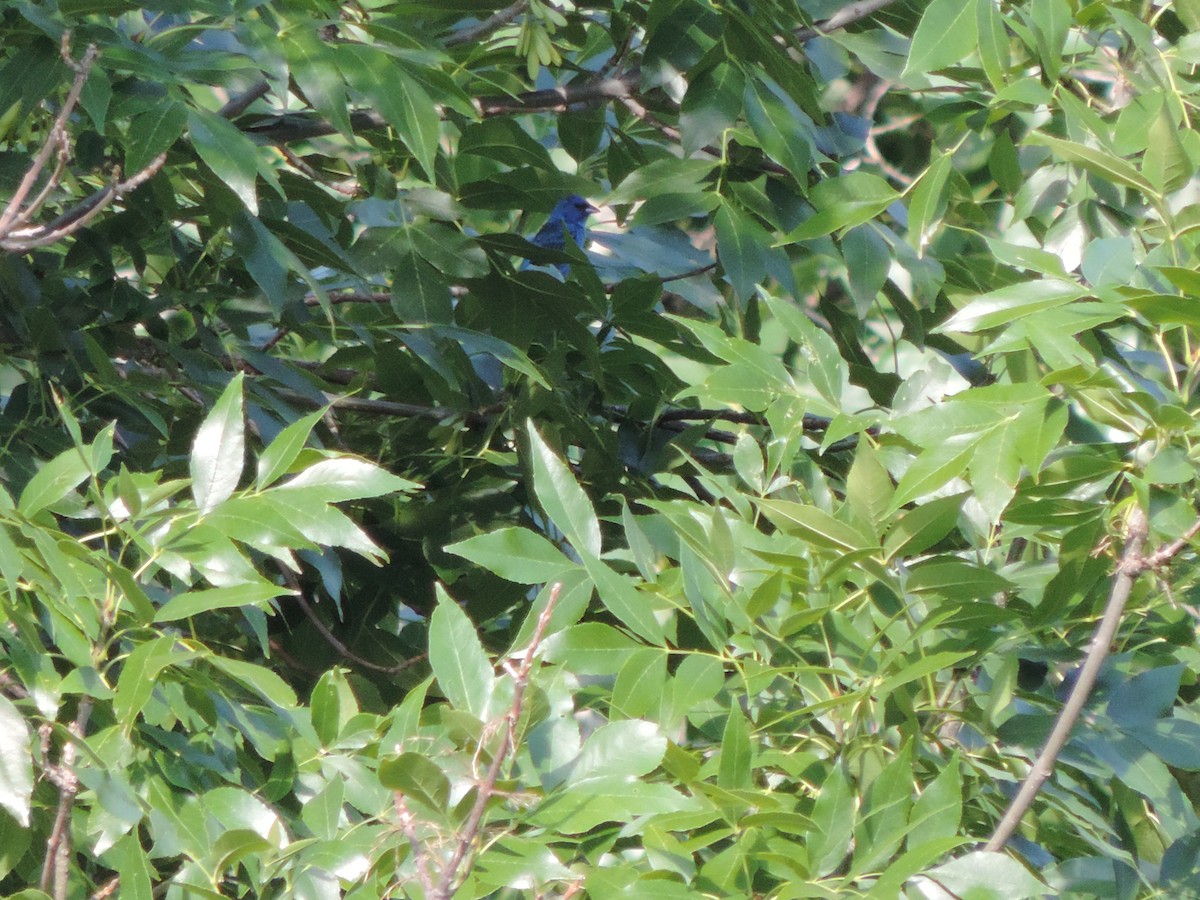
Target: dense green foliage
[{"x": 340, "y": 555}]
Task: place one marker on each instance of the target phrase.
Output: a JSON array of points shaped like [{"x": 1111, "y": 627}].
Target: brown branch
[
  {"x": 81, "y": 214},
  {"x": 493, "y": 22},
  {"x": 847, "y": 15},
  {"x": 408, "y": 824},
  {"x": 508, "y": 743},
  {"x": 239, "y": 104},
  {"x": 12, "y": 687},
  {"x": 1165, "y": 554},
  {"x": 1130, "y": 566},
  {"x": 107, "y": 889},
  {"x": 350, "y": 188},
  {"x": 332, "y": 639},
  {"x": 56, "y": 868},
  {"x": 57, "y": 135},
  {"x": 691, "y": 273},
  {"x": 561, "y": 99}
]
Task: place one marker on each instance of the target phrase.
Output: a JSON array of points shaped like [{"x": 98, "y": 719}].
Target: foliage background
[{"x": 340, "y": 556}]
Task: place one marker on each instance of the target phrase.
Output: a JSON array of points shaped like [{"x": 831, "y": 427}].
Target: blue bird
[{"x": 569, "y": 217}]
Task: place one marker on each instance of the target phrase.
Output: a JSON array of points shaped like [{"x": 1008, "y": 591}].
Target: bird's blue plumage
[{"x": 568, "y": 217}]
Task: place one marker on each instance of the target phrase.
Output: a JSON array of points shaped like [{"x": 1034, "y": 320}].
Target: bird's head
[{"x": 572, "y": 209}]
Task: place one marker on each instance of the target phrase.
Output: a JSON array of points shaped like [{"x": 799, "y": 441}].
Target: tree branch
[
  {"x": 493, "y": 22},
  {"x": 847, "y": 15},
  {"x": 508, "y": 743},
  {"x": 1130, "y": 566},
  {"x": 56, "y": 868},
  {"x": 12, "y": 211}
]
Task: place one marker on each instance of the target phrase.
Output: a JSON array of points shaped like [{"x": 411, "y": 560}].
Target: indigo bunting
[{"x": 570, "y": 213}]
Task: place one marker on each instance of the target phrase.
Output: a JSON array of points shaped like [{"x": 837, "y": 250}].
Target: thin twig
[
  {"x": 408, "y": 824},
  {"x": 53, "y": 140},
  {"x": 561, "y": 99},
  {"x": 689, "y": 274},
  {"x": 847, "y": 15},
  {"x": 487, "y": 788},
  {"x": 873, "y": 153},
  {"x": 56, "y": 868},
  {"x": 497, "y": 20},
  {"x": 350, "y": 189},
  {"x": 81, "y": 214},
  {"x": 239, "y": 104},
  {"x": 1130, "y": 566},
  {"x": 107, "y": 889},
  {"x": 332, "y": 639}
]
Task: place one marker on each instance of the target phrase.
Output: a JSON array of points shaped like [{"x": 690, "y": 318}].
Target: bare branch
[
  {"x": 239, "y": 104},
  {"x": 332, "y": 639},
  {"x": 1165, "y": 554},
  {"x": 847, "y": 15},
  {"x": 1131, "y": 564},
  {"x": 350, "y": 188},
  {"x": 493, "y": 22},
  {"x": 56, "y": 868},
  {"x": 408, "y": 824},
  {"x": 487, "y": 788},
  {"x": 53, "y": 140},
  {"x": 81, "y": 214}
]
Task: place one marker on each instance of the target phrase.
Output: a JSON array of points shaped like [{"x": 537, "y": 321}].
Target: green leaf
[
  {"x": 53, "y": 482},
  {"x": 736, "y": 768},
  {"x": 397, "y": 97},
  {"x": 833, "y": 819},
  {"x": 933, "y": 469},
  {"x": 311, "y": 62},
  {"x": 463, "y": 671},
  {"x": 515, "y": 554},
  {"x": 139, "y": 673},
  {"x": 937, "y": 812},
  {"x": 133, "y": 868},
  {"x": 193, "y": 603},
  {"x": 633, "y": 608},
  {"x": 228, "y": 152},
  {"x": 881, "y": 828},
  {"x": 259, "y": 679},
  {"x": 993, "y": 43},
  {"x": 561, "y": 496},
  {"x": 955, "y": 578},
  {"x": 418, "y": 777},
  {"x": 219, "y": 450},
  {"x": 928, "y": 202},
  {"x": 581, "y": 807},
  {"x": 1008, "y": 304},
  {"x": 640, "y": 685},
  {"x": 784, "y": 132},
  {"x": 591, "y": 648},
  {"x": 1166, "y": 162},
  {"x": 843, "y": 203},
  {"x": 823, "y": 364},
  {"x": 345, "y": 478},
  {"x": 1099, "y": 162},
  {"x": 627, "y": 749},
  {"x": 420, "y": 294},
  {"x": 744, "y": 249},
  {"x": 946, "y": 34},
  {"x": 664, "y": 176},
  {"x": 279, "y": 455},
  {"x": 1051, "y": 22},
  {"x": 16, "y": 762},
  {"x": 815, "y": 526},
  {"x": 153, "y": 132},
  {"x": 1000, "y": 876},
  {"x": 711, "y": 105}
]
